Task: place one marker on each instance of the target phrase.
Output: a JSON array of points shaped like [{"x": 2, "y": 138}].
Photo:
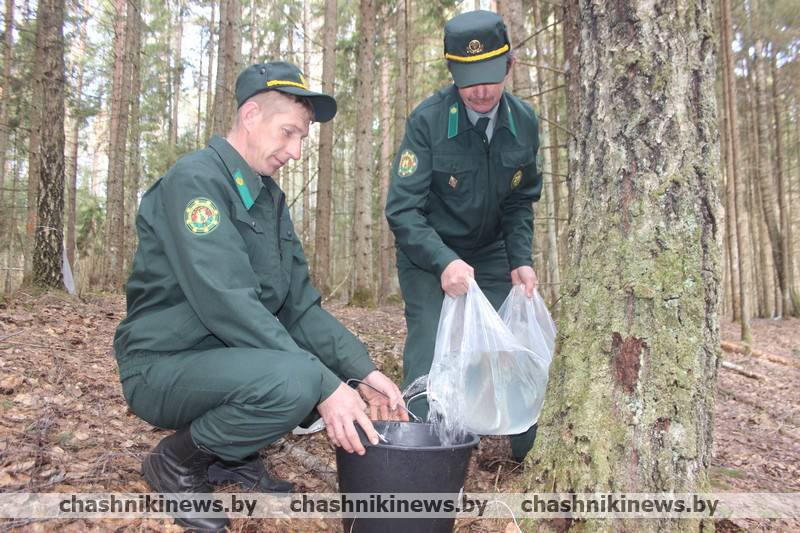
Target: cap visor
[
  {"x": 323, "y": 104},
  {"x": 489, "y": 71}
]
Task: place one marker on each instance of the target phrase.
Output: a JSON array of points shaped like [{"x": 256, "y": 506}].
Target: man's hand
[
  {"x": 340, "y": 410},
  {"x": 455, "y": 278},
  {"x": 381, "y": 407},
  {"x": 525, "y": 275}
]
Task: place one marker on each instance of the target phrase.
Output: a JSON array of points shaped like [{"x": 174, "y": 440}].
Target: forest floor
[{"x": 64, "y": 426}]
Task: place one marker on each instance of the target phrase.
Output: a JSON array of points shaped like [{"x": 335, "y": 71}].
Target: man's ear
[
  {"x": 510, "y": 62},
  {"x": 249, "y": 114}
]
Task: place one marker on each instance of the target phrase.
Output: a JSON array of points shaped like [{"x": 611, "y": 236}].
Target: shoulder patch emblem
[
  {"x": 407, "y": 164},
  {"x": 516, "y": 179},
  {"x": 201, "y": 216}
]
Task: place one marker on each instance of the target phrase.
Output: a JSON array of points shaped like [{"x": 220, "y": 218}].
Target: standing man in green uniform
[
  {"x": 225, "y": 339},
  {"x": 463, "y": 185}
]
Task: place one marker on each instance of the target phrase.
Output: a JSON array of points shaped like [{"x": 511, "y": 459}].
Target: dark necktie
[{"x": 481, "y": 124}]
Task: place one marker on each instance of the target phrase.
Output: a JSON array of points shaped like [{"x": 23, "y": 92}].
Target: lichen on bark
[{"x": 630, "y": 400}]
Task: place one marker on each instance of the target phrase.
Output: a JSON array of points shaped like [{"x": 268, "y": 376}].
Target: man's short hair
[{"x": 271, "y": 101}]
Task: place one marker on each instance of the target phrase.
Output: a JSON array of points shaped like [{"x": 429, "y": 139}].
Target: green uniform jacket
[
  {"x": 452, "y": 193},
  {"x": 219, "y": 264}
]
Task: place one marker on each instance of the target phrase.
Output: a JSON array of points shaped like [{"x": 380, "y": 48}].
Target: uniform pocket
[
  {"x": 454, "y": 175},
  {"x": 517, "y": 169}
]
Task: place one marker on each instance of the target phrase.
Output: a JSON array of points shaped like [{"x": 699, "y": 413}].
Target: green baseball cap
[
  {"x": 286, "y": 78},
  {"x": 476, "y": 47}
]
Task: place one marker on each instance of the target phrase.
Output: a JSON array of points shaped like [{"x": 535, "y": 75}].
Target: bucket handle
[{"x": 412, "y": 415}]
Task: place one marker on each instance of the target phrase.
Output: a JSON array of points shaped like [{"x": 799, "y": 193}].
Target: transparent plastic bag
[{"x": 489, "y": 374}]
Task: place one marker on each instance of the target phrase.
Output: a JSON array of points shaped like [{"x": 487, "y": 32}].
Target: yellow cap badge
[
  {"x": 474, "y": 47},
  {"x": 516, "y": 179},
  {"x": 407, "y": 163},
  {"x": 452, "y": 182},
  {"x": 201, "y": 216}
]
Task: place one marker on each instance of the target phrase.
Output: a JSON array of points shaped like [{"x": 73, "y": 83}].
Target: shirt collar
[
  {"x": 248, "y": 184},
  {"x": 459, "y": 119}
]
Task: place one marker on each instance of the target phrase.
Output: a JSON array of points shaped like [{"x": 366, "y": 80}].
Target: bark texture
[
  {"x": 363, "y": 293},
  {"x": 49, "y": 242},
  {"x": 228, "y": 64},
  {"x": 736, "y": 179},
  {"x": 322, "y": 234},
  {"x": 631, "y": 393}
]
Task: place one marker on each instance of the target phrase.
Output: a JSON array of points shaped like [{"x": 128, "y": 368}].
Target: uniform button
[{"x": 254, "y": 224}]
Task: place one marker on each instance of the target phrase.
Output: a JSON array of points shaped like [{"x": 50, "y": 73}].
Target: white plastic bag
[{"x": 488, "y": 376}]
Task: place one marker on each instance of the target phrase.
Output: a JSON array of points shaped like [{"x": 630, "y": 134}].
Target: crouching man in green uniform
[
  {"x": 463, "y": 185},
  {"x": 225, "y": 339}
]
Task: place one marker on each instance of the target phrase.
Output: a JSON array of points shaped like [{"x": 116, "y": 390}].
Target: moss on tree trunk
[{"x": 631, "y": 394}]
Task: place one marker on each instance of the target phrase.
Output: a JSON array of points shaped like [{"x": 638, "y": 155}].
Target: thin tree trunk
[
  {"x": 752, "y": 196},
  {"x": 253, "y": 58},
  {"x": 49, "y": 244},
  {"x": 114, "y": 253},
  {"x": 630, "y": 404},
  {"x": 210, "y": 78},
  {"x": 306, "y": 236},
  {"x": 175, "y": 92},
  {"x": 134, "y": 164},
  {"x": 363, "y": 288},
  {"x": 780, "y": 179},
  {"x": 75, "y": 122},
  {"x": 401, "y": 106},
  {"x": 228, "y": 64},
  {"x": 736, "y": 179},
  {"x": 322, "y": 258},
  {"x": 34, "y": 140},
  {"x": 8, "y": 46},
  {"x": 552, "y": 260},
  {"x": 386, "y": 238},
  {"x": 766, "y": 176}
]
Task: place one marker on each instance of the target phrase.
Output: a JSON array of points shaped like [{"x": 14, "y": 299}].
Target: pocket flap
[{"x": 453, "y": 163}]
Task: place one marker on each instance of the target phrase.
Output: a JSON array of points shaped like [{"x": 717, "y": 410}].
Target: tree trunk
[
  {"x": 210, "y": 78},
  {"x": 780, "y": 179},
  {"x": 386, "y": 257},
  {"x": 8, "y": 45},
  {"x": 175, "y": 90},
  {"x": 752, "y": 196},
  {"x": 75, "y": 123},
  {"x": 114, "y": 253},
  {"x": 401, "y": 105},
  {"x": 228, "y": 64},
  {"x": 49, "y": 244},
  {"x": 736, "y": 179},
  {"x": 363, "y": 288},
  {"x": 34, "y": 140},
  {"x": 553, "y": 277},
  {"x": 766, "y": 176},
  {"x": 322, "y": 247},
  {"x": 630, "y": 403},
  {"x": 306, "y": 191},
  {"x": 134, "y": 165}
]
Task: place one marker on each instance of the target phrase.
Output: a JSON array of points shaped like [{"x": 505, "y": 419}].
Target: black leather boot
[
  {"x": 177, "y": 464},
  {"x": 521, "y": 444},
  {"x": 248, "y": 473}
]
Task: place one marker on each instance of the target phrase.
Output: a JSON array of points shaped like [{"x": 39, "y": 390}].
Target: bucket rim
[{"x": 472, "y": 439}]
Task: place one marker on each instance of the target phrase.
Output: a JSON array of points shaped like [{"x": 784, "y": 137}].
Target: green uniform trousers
[
  {"x": 423, "y": 296},
  {"x": 237, "y": 400}
]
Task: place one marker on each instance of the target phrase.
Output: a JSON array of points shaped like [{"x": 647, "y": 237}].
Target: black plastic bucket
[{"x": 413, "y": 461}]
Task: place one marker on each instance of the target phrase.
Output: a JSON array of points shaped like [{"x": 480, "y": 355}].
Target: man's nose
[
  {"x": 481, "y": 91},
  {"x": 294, "y": 149}
]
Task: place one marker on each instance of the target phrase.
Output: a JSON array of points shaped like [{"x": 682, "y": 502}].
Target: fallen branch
[
  {"x": 739, "y": 369},
  {"x": 311, "y": 462},
  {"x": 735, "y": 348},
  {"x": 788, "y": 420}
]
